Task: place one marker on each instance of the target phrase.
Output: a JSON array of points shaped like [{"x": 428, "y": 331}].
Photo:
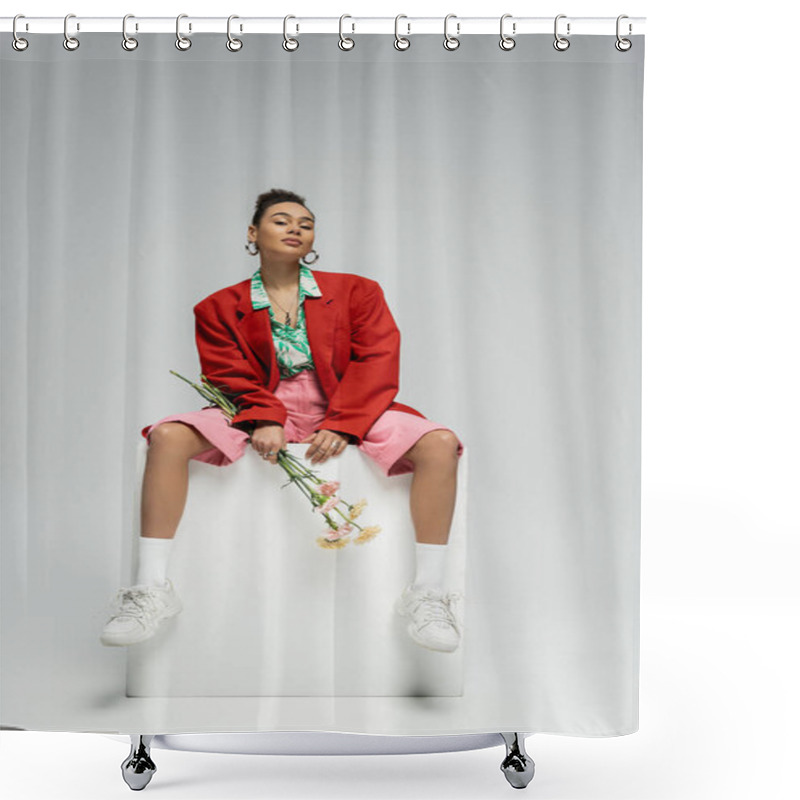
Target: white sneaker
[
  {"x": 139, "y": 611},
  {"x": 433, "y": 624}
]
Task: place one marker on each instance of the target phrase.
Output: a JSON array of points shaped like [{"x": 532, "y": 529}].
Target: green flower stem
[
  {"x": 331, "y": 523},
  {"x": 346, "y": 518},
  {"x": 312, "y": 495},
  {"x": 287, "y": 465},
  {"x": 295, "y": 477},
  {"x": 298, "y": 479},
  {"x": 211, "y": 393},
  {"x": 303, "y": 468},
  {"x": 307, "y": 476}
]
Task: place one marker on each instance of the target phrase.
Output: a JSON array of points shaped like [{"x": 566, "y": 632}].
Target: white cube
[{"x": 268, "y": 612}]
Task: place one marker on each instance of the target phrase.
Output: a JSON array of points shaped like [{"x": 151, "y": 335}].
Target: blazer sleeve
[
  {"x": 370, "y": 381},
  {"x": 225, "y": 365}
]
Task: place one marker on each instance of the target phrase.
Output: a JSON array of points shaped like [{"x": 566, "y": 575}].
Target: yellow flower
[
  {"x": 367, "y": 534},
  {"x": 331, "y": 545},
  {"x": 357, "y": 508}
]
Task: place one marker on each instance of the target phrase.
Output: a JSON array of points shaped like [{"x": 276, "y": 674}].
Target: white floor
[{"x": 719, "y": 701}]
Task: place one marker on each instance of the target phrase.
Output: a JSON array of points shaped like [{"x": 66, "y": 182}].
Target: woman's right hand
[{"x": 266, "y": 437}]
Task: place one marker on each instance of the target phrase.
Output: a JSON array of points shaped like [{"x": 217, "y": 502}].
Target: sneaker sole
[
  {"x": 121, "y": 641},
  {"x": 413, "y": 634}
]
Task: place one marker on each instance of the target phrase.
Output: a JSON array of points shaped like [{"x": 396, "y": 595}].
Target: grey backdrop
[{"x": 496, "y": 197}]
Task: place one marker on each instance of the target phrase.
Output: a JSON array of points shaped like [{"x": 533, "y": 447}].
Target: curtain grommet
[
  {"x": 561, "y": 43},
  {"x": 401, "y": 42},
  {"x": 622, "y": 44},
  {"x": 233, "y": 44},
  {"x": 129, "y": 43},
  {"x": 507, "y": 42},
  {"x": 451, "y": 42},
  {"x": 70, "y": 42},
  {"x": 346, "y": 43},
  {"x": 17, "y": 42},
  {"x": 290, "y": 44},
  {"x": 182, "y": 42}
]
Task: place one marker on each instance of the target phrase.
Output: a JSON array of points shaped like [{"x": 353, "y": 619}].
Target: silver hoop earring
[
  {"x": 250, "y": 249},
  {"x": 313, "y": 260}
]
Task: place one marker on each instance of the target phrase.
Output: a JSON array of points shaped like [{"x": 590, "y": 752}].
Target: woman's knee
[
  {"x": 179, "y": 438},
  {"x": 441, "y": 443}
]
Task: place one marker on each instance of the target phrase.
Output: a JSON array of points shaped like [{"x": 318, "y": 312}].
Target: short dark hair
[{"x": 274, "y": 196}]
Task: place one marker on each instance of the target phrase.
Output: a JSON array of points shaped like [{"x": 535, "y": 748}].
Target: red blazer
[{"x": 354, "y": 342}]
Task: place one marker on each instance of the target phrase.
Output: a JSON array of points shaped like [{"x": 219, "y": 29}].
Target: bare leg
[
  {"x": 166, "y": 477},
  {"x": 433, "y": 485}
]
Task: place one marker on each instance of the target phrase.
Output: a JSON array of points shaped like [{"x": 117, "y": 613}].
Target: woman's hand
[
  {"x": 324, "y": 445},
  {"x": 268, "y": 437}
]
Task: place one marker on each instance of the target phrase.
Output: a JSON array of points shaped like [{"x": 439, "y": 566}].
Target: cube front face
[{"x": 269, "y": 613}]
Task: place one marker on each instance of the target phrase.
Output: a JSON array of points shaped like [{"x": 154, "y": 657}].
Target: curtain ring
[
  {"x": 560, "y": 42},
  {"x": 623, "y": 45},
  {"x": 70, "y": 42},
  {"x": 289, "y": 43},
  {"x": 451, "y": 42},
  {"x": 507, "y": 42},
  {"x": 181, "y": 42},
  {"x": 400, "y": 42},
  {"x": 128, "y": 42},
  {"x": 233, "y": 44},
  {"x": 18, "y": 43},
  {"x": 346, "y": 43}
]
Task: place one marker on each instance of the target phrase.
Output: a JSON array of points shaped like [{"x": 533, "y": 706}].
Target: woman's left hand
[{"x": 324, "y": 445}]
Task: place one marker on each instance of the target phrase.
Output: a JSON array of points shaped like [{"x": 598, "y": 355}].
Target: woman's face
[{"x": 280, "y": 222}]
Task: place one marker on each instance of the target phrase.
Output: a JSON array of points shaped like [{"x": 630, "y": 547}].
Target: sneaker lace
[
  {"x": 133, "y": 600},
  {"x": 434, "y": 606}
]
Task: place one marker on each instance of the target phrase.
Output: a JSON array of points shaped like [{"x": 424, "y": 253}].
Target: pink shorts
[{"x": 392, "y": 434}]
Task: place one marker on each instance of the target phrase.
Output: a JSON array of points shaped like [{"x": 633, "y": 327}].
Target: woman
[{"x": 324, "y": 371}]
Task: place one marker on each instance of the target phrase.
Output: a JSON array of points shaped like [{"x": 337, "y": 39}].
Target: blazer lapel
[
  {"x": 320, "y": 318},
  {"x": 257, "y": 332}
]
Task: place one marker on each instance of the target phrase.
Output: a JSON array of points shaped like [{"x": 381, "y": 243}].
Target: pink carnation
[{"x": 330, "y": 503}]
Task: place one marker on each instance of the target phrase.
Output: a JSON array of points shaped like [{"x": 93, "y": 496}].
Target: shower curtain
[{"x": 494, "y": 196}]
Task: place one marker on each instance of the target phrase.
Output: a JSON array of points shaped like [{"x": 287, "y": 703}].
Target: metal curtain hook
[
  {"x": 233, "y": 44},
  {"x": 181, "y": 42},
  {"x": 400, "y": 42},
  {"x": 507, "y": 42},
  {"x": 346, "y": 43},
  {"x": 18, "y": 43},
  {"x": 451, "y": 42},
  {"x": 289, "y": 43},
  {"x": 128, "y": 42},
  {"x": 70, "y": 42},
  {"x": 560, "y": 42},
  {"x": 621, "y": 44}
]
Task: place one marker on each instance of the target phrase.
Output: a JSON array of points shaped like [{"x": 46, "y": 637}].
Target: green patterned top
[{"x": 291, "y": 344}]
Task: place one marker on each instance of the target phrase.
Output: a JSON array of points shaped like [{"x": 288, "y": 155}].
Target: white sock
[
  {"x": 153, "y": 557},
  {"x": 430, "y": 564}
]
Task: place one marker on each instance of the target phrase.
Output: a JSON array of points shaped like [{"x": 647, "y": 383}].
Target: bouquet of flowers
[{"x": 321, "y": 494}]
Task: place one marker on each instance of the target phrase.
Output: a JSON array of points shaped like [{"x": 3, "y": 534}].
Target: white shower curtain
[{"x": 495, "y": 197}]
